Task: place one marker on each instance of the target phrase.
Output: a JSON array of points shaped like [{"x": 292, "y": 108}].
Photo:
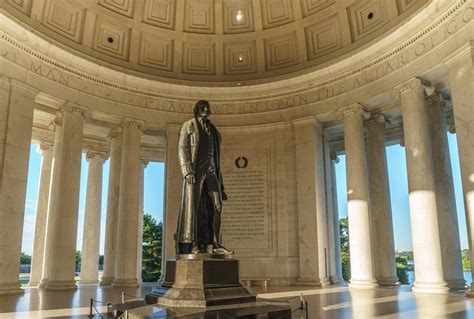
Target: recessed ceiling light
[
  {"x": 239, "y": 84},
  {"x": 239, "y": 15},
  {"x": 240, "y": 58}
]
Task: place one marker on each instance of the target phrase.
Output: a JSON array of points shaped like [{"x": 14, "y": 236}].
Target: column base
[
  {"x": 388, "y": 282},
  {"x": 104, "y": 281},
  {"x": 470, "y": 292},
  {"x": 10, "y": 289},
  {"x": 430, "y": 288},
  {"x": 132, "y": 283},
  {"x": 459, "y": 284},
  {"x": 335, "y": 280},
  {"x": 88, "y": 282},
  {"x": 33, "y": 284},
  {"x": 313, "y": 282},
  {"x": 60, "y": 285},
  {"x": 363, "y": 284}
]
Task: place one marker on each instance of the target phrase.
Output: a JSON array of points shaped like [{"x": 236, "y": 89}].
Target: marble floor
[{"x": 327, "y": 303}]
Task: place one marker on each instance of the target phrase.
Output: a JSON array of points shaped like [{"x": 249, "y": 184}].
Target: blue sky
[{"x": 154, "y": 192}]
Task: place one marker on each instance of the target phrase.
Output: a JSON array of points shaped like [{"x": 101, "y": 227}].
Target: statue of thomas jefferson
[{"x": 199, "y": 220}]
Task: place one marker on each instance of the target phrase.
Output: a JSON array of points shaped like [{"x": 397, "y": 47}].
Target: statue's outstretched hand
[
  {"x": 224, "y": 196},
  {"x": 190, "y": 178}
]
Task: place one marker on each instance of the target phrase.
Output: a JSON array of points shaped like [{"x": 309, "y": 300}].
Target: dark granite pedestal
[{"x": 205, "y": 286}]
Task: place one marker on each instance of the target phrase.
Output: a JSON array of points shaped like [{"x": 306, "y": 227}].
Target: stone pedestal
[{"x": 206, "y": 280}]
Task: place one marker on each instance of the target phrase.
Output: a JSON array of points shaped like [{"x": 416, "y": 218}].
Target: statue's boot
[
  {"x": 218, "y": 248},
  {"x": 195, "y": 250}
]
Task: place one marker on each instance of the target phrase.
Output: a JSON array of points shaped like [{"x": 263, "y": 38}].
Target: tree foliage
[
  {"x": 152, "y": 248},
  {"x": 466, "y": 260},
  {"x": 25, "y": 259},
  {"x": 402, "y": 269}
]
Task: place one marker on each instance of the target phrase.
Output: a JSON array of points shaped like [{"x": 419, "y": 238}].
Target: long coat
[{"x": 188, "y": 146}]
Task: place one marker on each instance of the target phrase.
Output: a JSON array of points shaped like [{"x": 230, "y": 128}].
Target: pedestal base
[
  {"x": 105, "y": 281},
  {"x": 388, "y": 282},
  {"x": 126, "y": 283},
  {"x": 60, "y": 285},
  {"x": 10, "y": 289},
  {"x": 200, "y": 282},
  {"x": 363, "y": 284},
  {"x": 432, "y": 288}
]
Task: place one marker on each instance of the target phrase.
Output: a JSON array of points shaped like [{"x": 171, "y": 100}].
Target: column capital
[
  {"x": 92, "y": 153},
  {"x": 71, "y": 107},
  {"x": 308, "y": 120},
  {"x": 116, "y": 132},
  {"x": 412, "y": 84},
  {"x": 128, "y": 122},
  {"x": 144, "y": 160},
  {"x": 333, "y": 156},
  {"x": 452, "y": 129},
  {"x": 57, "y": 121},
  {"x": 355, "y": 108},
  {"x": 44, "y": 146},
  {"x": 376, "y": 119},
  {"x": 435, "y": 99}
]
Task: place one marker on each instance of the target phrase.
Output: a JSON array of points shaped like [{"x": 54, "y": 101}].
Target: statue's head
[{"x": 202, "y": 109}]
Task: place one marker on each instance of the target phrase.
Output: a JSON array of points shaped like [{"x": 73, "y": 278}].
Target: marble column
[
  {"x": 360, "y": 241},
  {"x": 337, "y": 233},
  {"x": 127, "y": 224},
  {"x": 45, "y": 149},
  {"x": 143, "y": 164},
  {"x": 421, "y": 187},
  {"x": 16, "y": 122},
  {"x": 110, "y": 247},
  {"x": 332, "y": 217},
  {"x": 380, "y": 208},
  {"x": 461, "y": 78},
  {"x": 172, "y": 195},
  {"x": 445, "y": 200},
  {"x": 91, "y": 235},
  {"x": 61, "y": 229},
  {"x": 311, "y": 201}
]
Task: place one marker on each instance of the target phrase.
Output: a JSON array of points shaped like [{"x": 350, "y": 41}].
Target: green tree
[
  {"x": 152, "y": 245},
  {"x": 466, "y": 260},
  {"x": 25, "y": 259},
  {"x": 402, "y": 269},
  {"x": 78, "y": 259},
  {"x": 345, "y": 255}
]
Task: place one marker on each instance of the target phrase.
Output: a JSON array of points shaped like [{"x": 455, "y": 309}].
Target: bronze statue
[{"x": 199, "y": 220}]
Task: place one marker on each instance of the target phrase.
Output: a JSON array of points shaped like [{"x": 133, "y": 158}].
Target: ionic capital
[
  {"x": 57, "y": 121},
  {"x": 412, "y": 84},
  {"x": 70, "y": 107},
  {"x": 92, "y": 153},
  {"x": 355, "y": 108},
  {"x": 144, "y": 160},
  {"x": 435, "y": 99},
  {"x": 116, "y": 132},
  {"x": 130, "y": 122},
  {"x": 376, "y": 119},
  {"x": 452, "y": 129},
  {"x": 44, "y": 146},
  {"x": 333, "y": 156}
]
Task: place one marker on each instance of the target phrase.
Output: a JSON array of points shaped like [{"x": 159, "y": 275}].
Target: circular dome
[{"x": 222, "y": 42}]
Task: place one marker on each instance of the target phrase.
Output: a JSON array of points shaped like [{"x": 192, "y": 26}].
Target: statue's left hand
[{"x": 224, "y": 196}]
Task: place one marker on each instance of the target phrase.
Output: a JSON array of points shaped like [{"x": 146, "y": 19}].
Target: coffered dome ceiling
[{"x": 227, "y": 42}]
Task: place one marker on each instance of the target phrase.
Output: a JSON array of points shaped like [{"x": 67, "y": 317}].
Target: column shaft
[
  {"x": 61, "y": 229},
  {"x": 311, "y": 198},
  {"x": 380, "y": 208},
  {"x": 110, "y": 246},
  {"x": 461, "y": 78},
  {"x": 421, "y": 186},
  {"x": 360, "y": 241},
  {"x": 332, "y": 217},
  {"x": 445, "y": 200},
  {"x": 16, "y": 107},
  {"x": 127, "y": 234},
  {"x": 46, "y": 150},
  {"x": 91, "y": 235}
]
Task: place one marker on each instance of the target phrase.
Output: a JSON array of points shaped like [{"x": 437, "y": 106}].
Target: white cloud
[{"x": 28, "y": 234}]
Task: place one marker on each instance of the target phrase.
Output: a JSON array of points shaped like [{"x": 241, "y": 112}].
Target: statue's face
[{"x": 205, "y": 112}]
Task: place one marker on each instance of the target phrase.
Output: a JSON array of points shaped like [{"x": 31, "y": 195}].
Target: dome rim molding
[{"x": 442, "y": 19}]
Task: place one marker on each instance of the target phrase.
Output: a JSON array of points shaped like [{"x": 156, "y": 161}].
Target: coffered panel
[
  {"x": 238, "y": 16},
  {"x": 240, "y": 58},
  {"x": 112, "y": 38},
  {"x": 124, "y": 7},
  {"x": 276, "y": 13},
  {"x": 281, "y": 52},
  {"x": 366, "y": 17},
  {"x": 65, "y": 18},
  {"x": 199, "y": 16},
  {"x": 323, "y": 38},
  {"x": 161, "y": 13},
  {"x": 156, "y": 52},
  {"x": 309, "y": 7},
  {"x": 24, "y": 6},
  {"x": 404, "y": 5},
  {"x": 199, "y": 58}
]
